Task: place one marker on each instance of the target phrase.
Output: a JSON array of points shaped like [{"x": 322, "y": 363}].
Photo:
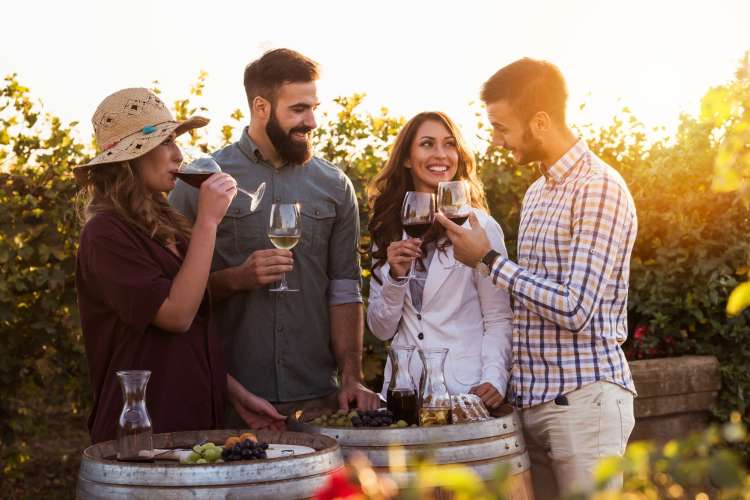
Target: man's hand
[
  {"x": 490, "y": 396},
  {"x": 256, "y": 412},
  {"x": 263, "y": 267},
  {"x": 469, "y": 245},
  {"x": 353, "y": 390}
]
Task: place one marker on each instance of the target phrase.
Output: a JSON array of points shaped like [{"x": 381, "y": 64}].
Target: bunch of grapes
[
  {"x": 203, "y": 454},
  {"x": 360, "y": 418},
  {"x": 245, "y": 450}
]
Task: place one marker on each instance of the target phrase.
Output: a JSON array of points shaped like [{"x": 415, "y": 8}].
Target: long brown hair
[
  {"x": 118, "y": 188},
  {"x": 386, "y": 192}
]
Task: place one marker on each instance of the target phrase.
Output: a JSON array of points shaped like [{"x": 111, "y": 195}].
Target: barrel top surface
[
  {"x": 353, "y": 436},
  {"x": 99, "y": 463}
]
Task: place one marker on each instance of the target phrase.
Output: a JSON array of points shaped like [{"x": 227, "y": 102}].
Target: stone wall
[{"x": 675, "y": 395}]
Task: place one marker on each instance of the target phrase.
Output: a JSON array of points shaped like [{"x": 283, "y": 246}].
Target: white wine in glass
[{"x": 284, "y": 231}]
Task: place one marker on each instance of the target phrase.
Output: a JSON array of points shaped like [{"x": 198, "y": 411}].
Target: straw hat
[{"x": 129, "y": 124}]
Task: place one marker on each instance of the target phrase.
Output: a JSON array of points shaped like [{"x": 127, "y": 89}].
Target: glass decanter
[
  {"x": 401, "y": 396},
  {"x": 134, "y": 432},
  {"x": 434, "y": 397}
]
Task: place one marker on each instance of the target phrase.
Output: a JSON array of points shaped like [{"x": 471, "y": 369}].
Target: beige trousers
[{"x": 566, "y": 442}]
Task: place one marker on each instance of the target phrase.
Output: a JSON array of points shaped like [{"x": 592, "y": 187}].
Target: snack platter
[{"x": 465, "y": 408}]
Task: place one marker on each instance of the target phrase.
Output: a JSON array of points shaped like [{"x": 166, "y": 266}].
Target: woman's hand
[
  {"x": 490, "y": 396},
  {"x": 255, "y": 411},
  {"x": 216, "y": 194},
  {"x": 401, "y": 254}
]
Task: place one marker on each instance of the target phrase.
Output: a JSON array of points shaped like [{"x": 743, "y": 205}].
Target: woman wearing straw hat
[{"x": 142, "y": 274}]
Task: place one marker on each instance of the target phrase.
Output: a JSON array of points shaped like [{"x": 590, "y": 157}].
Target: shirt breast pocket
[
  {"x": 317, "y": 223},
  {"x": 242, "y": 230}
]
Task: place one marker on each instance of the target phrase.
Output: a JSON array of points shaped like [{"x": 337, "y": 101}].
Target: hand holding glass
[{"x": 197, "y": 167}]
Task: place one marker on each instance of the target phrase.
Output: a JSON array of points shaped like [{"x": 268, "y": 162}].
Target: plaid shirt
[{"x": 570, "y": 286}]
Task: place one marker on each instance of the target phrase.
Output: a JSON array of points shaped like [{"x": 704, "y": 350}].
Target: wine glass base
[{"x": 283, "y": 290}]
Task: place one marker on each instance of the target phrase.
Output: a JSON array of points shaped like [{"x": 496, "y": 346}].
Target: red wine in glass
[
  {"x": 416, "y": 230},
  {"x": 417, "y": 213},
  {"x": 459, "y": 220},
  {"x": 195, "y": 179}
]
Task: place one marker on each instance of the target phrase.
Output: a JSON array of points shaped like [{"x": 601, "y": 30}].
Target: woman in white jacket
[{"x": 452, "y": 305}]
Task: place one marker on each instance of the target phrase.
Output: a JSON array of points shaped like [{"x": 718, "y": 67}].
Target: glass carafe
[
  {"x": 434, "y": 398},
  {"x": 134, "y": 432},
  {"x": 402, "y": 393}
]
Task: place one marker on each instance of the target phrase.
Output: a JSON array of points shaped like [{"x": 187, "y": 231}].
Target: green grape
[
  {"x": 212, "y": 454},
  {"x": 201, "y": 461},
  {"x": 193, "y": 456},
  {"x": 198, "y": 449}
]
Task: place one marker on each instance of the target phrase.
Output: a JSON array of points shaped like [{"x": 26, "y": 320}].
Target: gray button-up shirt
[{"x": 278, "y": 345}]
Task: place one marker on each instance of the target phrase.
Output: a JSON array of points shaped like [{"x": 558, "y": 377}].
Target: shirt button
[
  {"x": 419, "y": 317},
  {"x": 420, "y": 336},
  {"x": 236, "y": 210},
  {"x": 317, "y": 212},
  {"x": 280, "y": 329}
]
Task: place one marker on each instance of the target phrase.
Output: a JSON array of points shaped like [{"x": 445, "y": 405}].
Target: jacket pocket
[{"x": 467, "y": 369}]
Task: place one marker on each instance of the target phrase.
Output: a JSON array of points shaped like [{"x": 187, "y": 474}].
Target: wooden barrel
[
  {"x": 101, "y": 476},
  {"x": 483, "y": 446}
]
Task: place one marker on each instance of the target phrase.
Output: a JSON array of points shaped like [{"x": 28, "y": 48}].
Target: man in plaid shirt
[{"x": 569, "y": 379}]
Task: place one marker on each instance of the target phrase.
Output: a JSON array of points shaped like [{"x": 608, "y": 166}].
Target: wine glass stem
[
  {"x": 413, "y": 270},
  {"x": 283, "y": 282},
  {"x": 251, "y": 195}
]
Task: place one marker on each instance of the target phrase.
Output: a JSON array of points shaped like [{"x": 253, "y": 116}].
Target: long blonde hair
[{"x": 118, "y": 188}]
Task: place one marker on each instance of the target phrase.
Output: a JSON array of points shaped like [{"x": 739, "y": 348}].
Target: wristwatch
[{"x": 485, "y": 264}]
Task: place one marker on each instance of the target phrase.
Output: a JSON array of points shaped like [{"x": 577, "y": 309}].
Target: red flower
[
  {"x": 338, "y": 486},
  {"x": 640, "y": 332}
]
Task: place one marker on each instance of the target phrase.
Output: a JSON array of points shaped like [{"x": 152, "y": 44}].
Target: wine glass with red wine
[
  {"x": 417, "y": 214},
  {"x": 195, "y": 170},
  {"x": 454, "y": 202}
]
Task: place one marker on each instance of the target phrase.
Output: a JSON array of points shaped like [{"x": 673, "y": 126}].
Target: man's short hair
[
  {"x": 529, "y": 86},
  {"x": 264, "y": 76}
]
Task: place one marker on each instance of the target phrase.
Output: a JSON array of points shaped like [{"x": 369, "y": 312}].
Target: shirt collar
[
  {"x": 249, "y": 148},
  {"x": 562, "y": 168}
]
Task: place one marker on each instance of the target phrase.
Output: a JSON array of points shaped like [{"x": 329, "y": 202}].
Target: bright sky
[{"x": 656, "y": 56}]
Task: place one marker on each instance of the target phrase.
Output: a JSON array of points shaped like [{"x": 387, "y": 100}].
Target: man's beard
[
  {"x": 291, "y": 151},
  {"x": 531, "y": 150}
]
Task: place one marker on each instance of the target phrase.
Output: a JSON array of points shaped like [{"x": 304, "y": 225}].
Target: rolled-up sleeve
[{"x": 344, "y": 272}]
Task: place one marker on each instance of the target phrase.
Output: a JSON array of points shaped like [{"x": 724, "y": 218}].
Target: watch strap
[{"x": 489, "y": 258}]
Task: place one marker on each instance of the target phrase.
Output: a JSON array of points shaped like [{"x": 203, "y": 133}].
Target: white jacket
[{"x": 461, "y": 310}]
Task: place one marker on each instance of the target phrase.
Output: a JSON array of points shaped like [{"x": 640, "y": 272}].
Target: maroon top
[{"x": 122, "y": 279}]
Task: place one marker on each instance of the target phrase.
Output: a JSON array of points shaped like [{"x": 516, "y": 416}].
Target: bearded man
[{"x": 299, "y": 349}]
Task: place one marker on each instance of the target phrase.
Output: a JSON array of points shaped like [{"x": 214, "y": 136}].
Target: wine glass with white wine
[{"x": 284, "y": 231}]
